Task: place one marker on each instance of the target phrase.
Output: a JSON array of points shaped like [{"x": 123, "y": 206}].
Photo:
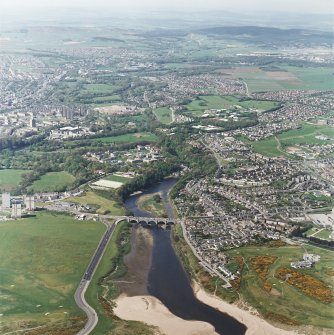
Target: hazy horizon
[{"x": 298, "y": 7}]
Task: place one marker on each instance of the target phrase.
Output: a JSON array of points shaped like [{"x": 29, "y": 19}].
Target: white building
[
  {"x": 5, "y": 200},
  {"x": 29, "y": 202},
  {"x": 16, "y": 210}
]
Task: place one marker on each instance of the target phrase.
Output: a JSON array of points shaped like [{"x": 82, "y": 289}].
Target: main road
[{"x": 79, "y": 295}]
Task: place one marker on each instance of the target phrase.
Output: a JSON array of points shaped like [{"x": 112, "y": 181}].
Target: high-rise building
[
  {"x": 29, "y": 202},
  {"x": 5, "y": 200},
  {"x": 32, "y": 122},
  {"x": 16, "y": 210}
]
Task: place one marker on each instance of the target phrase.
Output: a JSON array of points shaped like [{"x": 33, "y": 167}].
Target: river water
[{"x": 167, "y": 279}]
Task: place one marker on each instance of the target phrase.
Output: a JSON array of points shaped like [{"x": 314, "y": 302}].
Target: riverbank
[
  {"x": 150, "y": 310},
  {"x": 254, "y": 323}
]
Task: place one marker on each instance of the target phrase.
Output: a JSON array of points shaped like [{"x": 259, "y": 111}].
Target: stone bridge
[{"x": 165, "y": 223}]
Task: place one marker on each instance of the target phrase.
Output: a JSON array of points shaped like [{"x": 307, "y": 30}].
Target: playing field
[
  {"x": 117, "y": 178},
  {"x": 102, "y": 204},
  {"x": 286, "y": 301},
  {"x": 42, "y": 260},
  {"x": 129, "y": 138},
  {"x": 52, "y": 182},
  {"x": 9, "y": 179}
]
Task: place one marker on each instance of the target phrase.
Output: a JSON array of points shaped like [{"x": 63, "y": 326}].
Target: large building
[{"x": 5, "y": 200}]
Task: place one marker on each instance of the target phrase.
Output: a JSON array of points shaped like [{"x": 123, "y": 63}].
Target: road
[{"x": 79, "y": 295}]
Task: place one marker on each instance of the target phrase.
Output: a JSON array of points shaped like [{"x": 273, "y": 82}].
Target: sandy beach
[
  {"x": 255, "y": 325},
  {"x": 150, "y": 310}
]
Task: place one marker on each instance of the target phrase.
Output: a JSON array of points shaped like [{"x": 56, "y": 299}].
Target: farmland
[
  {"x": 38, "y": 279},
  {"x": 9, "y": 179},
  {"x": 102, "y": 205},
  {"x": 284, "y": 301},
  {"x": 129, "y": 138},
  {"x": 288, "y": 77},
  {"x": 53, "y": 181}
]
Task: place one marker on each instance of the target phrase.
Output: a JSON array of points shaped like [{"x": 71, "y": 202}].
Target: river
[{"x": 167, "y": 279}]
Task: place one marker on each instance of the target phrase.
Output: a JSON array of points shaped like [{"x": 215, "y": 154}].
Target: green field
[
  {"x": 203, "y": 103},
  {"x": 120, "y": 179},
  {"x": 52, "y": 182},
  {"x": 324, "y": 234},
  {"x": 290, "y": 77},
  {"x": 42, "y": 260},
  {"x": 163, "y": 114},
  {"x": 152, "y": 204},
  {"x": 288, "y": 301},
  {"x": 99, "y": 88},
  {"x": 9, "y": 179},
  {"x": 102, "y": 204},
  {"x": 275, "y": 146},
  {"x": 129, "y": 138}
]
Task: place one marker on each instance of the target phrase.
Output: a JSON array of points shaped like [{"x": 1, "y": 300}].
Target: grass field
[
  {"x": 100, "y": 88},
  {"x": 325, "y": 234},
  {"x": 52, "y": 182},
  {"x": 117, "y": 178},
  {"x": 303, "y": 78},
  {"x": 42, "y": 260},
  {"x": 129, "y": 138},
  {"x": 104, "y": 205},
  {"x": 9, "y": 179},
  {"x": 275, "y": 146},
  {"x": 151, "y": 204},
  {"x": 163, "y": 114},
  {"x": 225, "y": 102},
  {"x": 287, "y": 301}
]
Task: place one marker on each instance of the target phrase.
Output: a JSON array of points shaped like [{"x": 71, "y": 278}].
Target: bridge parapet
[{"x": 151, "y": 222}]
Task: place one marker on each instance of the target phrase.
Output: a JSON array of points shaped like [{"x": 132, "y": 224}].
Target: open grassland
[
  {"x": 103, "y": 205},
  {"x": 288, "y": 77},
  {"x": 317, "y": 78},
  {"x": 324, "y": 234},
  {"x": 9, "y": 179},
  {"x": 129, "y": 138},
  {"x": 203, "y": 103},
  {"x": 102, "y": 289},
  {"x": 163, "y": 114},
  {"x": 42, "y": 260},
  {"x": 52, "y": 182},
  {"x": 276, "y": 146},
  {"x": 278, "y": 299},
  {"x": 268, "y": 147}
]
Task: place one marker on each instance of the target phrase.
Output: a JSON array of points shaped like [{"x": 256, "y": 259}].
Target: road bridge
[{"x": 148, "y": 222}]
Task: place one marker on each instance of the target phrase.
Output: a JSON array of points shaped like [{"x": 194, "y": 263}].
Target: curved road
[{"x": 79, "y": 295}]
